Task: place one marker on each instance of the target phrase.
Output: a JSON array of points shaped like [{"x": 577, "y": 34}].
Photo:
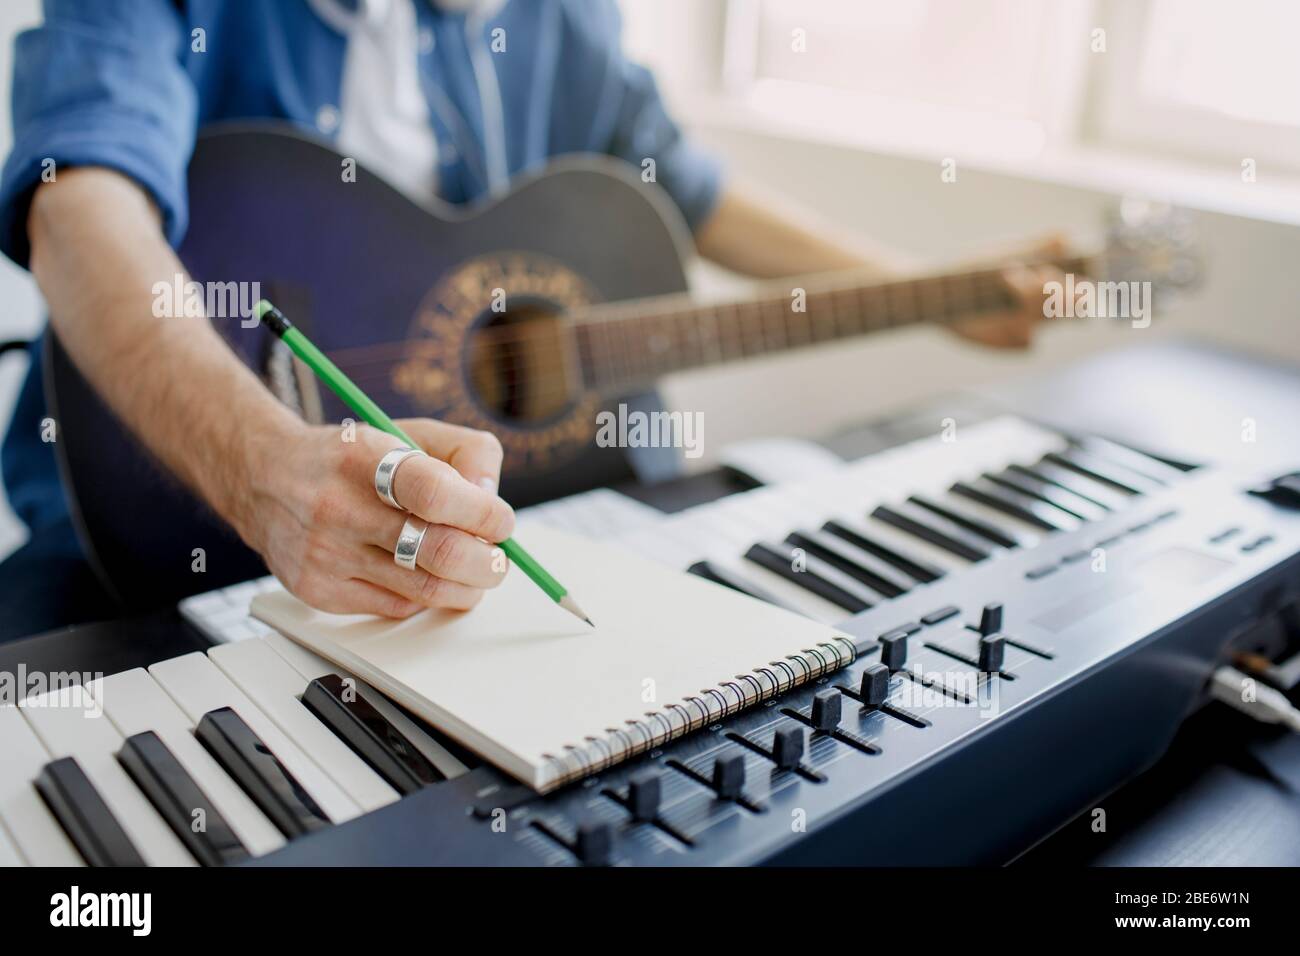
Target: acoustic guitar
[{"x": 526, "y": 316}]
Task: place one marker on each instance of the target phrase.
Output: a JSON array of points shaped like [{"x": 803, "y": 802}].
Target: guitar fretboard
[{"x": 624, "y": 346}]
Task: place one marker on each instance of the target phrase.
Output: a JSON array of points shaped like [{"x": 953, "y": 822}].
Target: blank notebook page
[{"x": 518, "y": 678}]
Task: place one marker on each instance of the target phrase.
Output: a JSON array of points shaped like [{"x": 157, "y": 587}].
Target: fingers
[
  {"x": 419, "y": 586},
  {"x": 447, "y": 553},
  {"x": 441, "y": 495},
  {"x": 353, "y": 596},
  {"x": 475, "y": 454}
]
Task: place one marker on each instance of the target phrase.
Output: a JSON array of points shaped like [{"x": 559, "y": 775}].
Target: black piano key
[
  {"x": 1090, "y": 466},
  {"x": 1048, "y": 493},
  {"x": 1135, "y": 461},
  {"x": 368, "y": 732},
  {"x": 266, "y": 781},
  {"x": 1040, "y": 515},
  {"x": 861, "y": 567},
  {"x": 812, "y": 578},
  {"x": 176, "y": 797},
  {"x": 936, "y": 530},
  {"x": 718, "y": 575},
  {"x": 1002, "y": 538},
  {"x": 914, "y": 568},
  {"x": 1087, "y": 489},
  {"x": 84, "y": 815}
]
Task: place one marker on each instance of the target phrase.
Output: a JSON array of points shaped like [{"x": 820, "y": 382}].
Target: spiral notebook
[{"x": 548, "y": 699}]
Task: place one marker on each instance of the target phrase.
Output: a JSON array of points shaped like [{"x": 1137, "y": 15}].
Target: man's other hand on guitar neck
[{"x": 757, "y": 234}]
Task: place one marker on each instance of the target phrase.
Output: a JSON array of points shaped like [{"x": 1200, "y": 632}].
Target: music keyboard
[{"x": 1033, "y": 617}]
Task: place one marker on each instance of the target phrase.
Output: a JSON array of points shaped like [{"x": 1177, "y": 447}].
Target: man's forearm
[{"x": 97, "y": 252}]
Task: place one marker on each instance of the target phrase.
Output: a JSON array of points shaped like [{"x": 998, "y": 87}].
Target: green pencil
[{"x": 363, "y": 405}]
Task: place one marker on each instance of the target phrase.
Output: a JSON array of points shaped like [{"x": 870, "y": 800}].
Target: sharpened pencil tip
[{"x": 570, "y": 605}]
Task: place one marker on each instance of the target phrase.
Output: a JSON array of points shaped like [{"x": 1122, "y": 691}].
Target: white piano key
[
  {"x": 805, "y": 602},
  {"x": 198, "y": 686},
  {"x": 275, "y": 688},
  {"x": 69, "y": 724},
  {"x": 311, "y": 666},
  {"x": 135, "y": 703},
  {"x": 9, "y": 855},
  {"x": 1030, "y": 534},
  {"x": 909, "y": 544},
  {"x": 36, "y": 833}
]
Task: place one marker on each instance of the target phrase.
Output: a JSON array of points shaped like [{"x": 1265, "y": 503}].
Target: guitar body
[{"x": 397, "y": 295}]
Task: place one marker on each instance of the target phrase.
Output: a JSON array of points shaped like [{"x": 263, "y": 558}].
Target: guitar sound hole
[{"x": 519, "y": 363}]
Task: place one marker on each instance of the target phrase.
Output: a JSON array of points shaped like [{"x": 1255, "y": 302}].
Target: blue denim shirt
[{"x": 126, "y": 84}]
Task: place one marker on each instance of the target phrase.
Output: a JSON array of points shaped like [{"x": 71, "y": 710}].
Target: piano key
[
  {"x": 711, "y": 572},
  {"x": 376, "y": 741},
  {"x": 312, "y": 666},
  {"x": 1094, "y": 491},
  {"x": 85, "y": 816},
  {"x": 270, "y": 784},
  {"x": 135, "y": 703},
  {"x": 1017, "y": 504},
  {"x": 9, "y": 855},
  {"x": 836, "y": 552},
  {"x": 199, "y": 686},
  {"x": 815, "y": 578},
  {"x": 70, "y": 724},
  {"x": 1003, "y": 538},
  {"x": 1135, "y": 461},
  {"x": 274, "y": 687},
  {"x": 933, "y": 529},
  {"x": 1090, "y": 466},
  {"x": 37, "y": 835},
  {"x": 1045, "y": 491},
  {"x": 795, "y": 597},
  {"x": 180, "y": 801},
  {"x": 916, "y": 568}
]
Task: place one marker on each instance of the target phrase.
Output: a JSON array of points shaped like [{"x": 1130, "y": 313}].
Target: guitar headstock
[{"x": 1152, "y": 242}]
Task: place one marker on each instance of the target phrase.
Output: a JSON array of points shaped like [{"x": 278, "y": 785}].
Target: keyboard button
[
  {"x": 84, "y": 815},
  {"x": 933, "y": 529},
  {"x": 180, "y": 801},
  {"x": 135, "y": 703},
  {"x": 376, "y": 741},
  {"x": 939, "y": 616},
  {"x": 198, "y": 686},
  {"x": 35, "y": 832},
  {"x": 69, "y": 724},
  {"x": 264, "y": 778},
  {"x": 870, "y": 571},
  {"x": 274, "y": 687},
  {"x": 913, "y": 567},
  {"x": 813, "y": 578},
  {"x": 1016, "y": 504},
  {"x": 1003, "y": 539}
]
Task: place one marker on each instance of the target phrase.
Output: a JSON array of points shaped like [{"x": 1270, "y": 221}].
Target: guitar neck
[{"x": 625, "y": 346}]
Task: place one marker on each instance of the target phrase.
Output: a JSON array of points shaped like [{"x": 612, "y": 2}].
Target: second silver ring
[{"x": 408, "y": 543}]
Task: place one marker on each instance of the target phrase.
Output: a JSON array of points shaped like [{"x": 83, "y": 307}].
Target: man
[{"x": 442, "y": 97}]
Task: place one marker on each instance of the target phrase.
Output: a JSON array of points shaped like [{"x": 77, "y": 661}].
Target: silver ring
[
  {"x": 408, "y": 543},
  {"x": 386, "y": 472}
]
